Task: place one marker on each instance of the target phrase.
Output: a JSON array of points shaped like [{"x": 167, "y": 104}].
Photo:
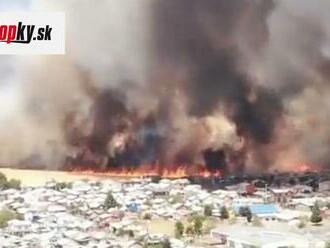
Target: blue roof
[
  {"x": 259, "y": 208},
  {"x": 133, "y": 207}
]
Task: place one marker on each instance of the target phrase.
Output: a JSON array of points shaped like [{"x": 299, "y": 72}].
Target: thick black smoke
[
  {"x": 118, "y": 136},
  {"x": 201, "y": 37},
  {"x": 169, "y": 79},
  {"x": 215, "y": 160},
  {"x": 110, "y": 116}
]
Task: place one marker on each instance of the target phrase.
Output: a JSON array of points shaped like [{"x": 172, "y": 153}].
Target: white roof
[
  {"x": 56, "y": 208},
  {"x": 281, "y": 191},
  {"x": 288, "y": 214},
  {"x": 260, "y": 237},
  {"x": 19, "y": 223}
]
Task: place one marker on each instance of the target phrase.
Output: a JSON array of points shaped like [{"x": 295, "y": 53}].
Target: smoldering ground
[{"x": 230, "y": 84}]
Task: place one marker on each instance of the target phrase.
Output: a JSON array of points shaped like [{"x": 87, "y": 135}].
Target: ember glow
[
  {"x": 177, "y": 171},
  {"x": 304, "y": 167}
]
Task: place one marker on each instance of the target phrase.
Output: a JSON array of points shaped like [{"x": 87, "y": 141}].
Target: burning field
[{"x": 173, "y": 88}]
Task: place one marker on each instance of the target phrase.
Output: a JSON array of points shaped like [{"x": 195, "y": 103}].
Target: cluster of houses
[{"x": 76, "y": 216}]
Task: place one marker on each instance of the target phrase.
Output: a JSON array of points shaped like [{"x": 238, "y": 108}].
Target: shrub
[
  {"x": 130, "y": 233},
  {"x": 224, "y": 213},
  {"x": 120, "y": 232},
  {"x": 110, "y": 201},
  {"x": 13, "y": 184},
  {"x": 190, "y": 230},
  {"x": 62, "y": 185},
  {"x": 166, "y": 243},
  {"x": 316, "y": 214},
  {"x": 245, "y": 212},
  {"x": 155, "y": 179},
  {"x": 208, "y": 210},
  {"x": 249, "y": 216},
  {"x": 179, "y": 229},
  {"x": 198, "y": 225},
  {"x": 5, "y": 216},
  {"x": 147, "y": 216},
  {"x": 193, "y": 216},
  {"x": 3, "y": 180}
]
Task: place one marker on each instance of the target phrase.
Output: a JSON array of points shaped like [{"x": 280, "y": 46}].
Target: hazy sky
[{"x": 11, "y": 5}]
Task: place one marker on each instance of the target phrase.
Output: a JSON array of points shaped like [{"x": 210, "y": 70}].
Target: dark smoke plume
[
  {"x": 201, "y": 36},
  {"x": 215, "y": 160},
  {"x": 233, "y": 85}
]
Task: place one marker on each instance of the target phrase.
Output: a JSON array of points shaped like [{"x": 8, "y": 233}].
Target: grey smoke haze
[{"x": 161, "y": 81}]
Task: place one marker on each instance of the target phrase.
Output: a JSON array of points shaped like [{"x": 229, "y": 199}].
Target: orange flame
[
  {"x": 173, "y": 171},
  {"x": 305, "y": 167}
]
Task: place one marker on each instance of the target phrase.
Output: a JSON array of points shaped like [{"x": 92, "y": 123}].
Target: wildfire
[
  {"x": 304, "y": 167},
  {"x": 178, "y": 171}
]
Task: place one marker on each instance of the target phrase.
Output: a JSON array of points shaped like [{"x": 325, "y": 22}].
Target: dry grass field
[{"x": 39, "y": 177}]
